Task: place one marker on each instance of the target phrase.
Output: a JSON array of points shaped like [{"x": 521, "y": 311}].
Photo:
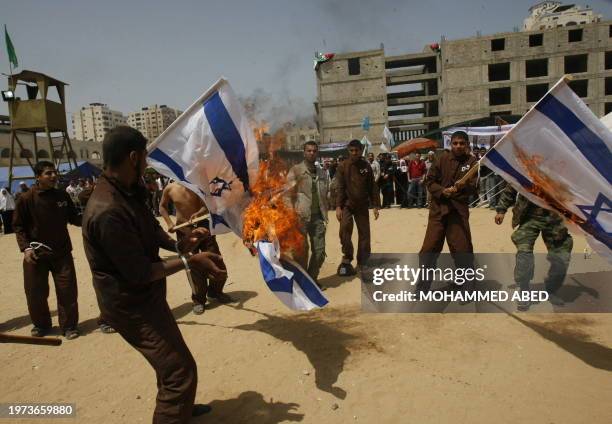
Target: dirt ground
[{"x": 261, "y": 363}]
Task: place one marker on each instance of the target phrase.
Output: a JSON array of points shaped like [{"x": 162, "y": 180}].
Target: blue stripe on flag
[
  {"x": 281, "y": 284},
  {"x": 218, "y": 219},
  {"x": 227, "y": 136},
  {"x": 161, "y": 157},
  {"x": 306, "y": 284},
  {"x": 498, "y": 160},
  {"x": 590, "y": 145}
]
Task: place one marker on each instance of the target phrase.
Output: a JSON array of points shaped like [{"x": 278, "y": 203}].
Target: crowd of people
[{"x": 129, "y": 274}]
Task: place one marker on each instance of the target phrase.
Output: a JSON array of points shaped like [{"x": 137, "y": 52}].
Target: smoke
[{"x": 277, "y": 110}]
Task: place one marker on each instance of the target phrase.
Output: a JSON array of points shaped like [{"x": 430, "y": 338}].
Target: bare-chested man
[{"x": 189, "y": 206}]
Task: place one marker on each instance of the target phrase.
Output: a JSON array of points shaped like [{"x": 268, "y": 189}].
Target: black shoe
[
  {"x": 200, "y": 409},
  {"x": 71, "y": 334},
  {"x": 345, "y": 270},
  {"x": 198, "y": 309},
  {"x": 39, "y": 331},
  {"x": 555, "y": 300},
  {"x": 523, "y": 305}
]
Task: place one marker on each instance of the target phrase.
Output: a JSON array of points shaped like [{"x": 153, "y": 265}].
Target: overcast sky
[{"x": 129, "y": 54}]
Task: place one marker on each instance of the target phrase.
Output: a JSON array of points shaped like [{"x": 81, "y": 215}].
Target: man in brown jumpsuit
[
  {"x": 189, "y": 206},
  {"x": 356, "y": 191},
  {"x": 448, "y": 209},
  {"x": 41, "y": 222},
  {"x": 122, "y": 239}
]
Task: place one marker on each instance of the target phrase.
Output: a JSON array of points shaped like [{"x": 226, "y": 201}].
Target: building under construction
[{"x": 453, "y": 81}]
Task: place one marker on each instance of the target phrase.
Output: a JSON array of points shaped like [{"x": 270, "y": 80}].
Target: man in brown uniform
[
  {"x": 122, "y": 239},
  {"x": 188, "y": 206},
  {"x": 356, "y": 191},
  {"x": 41, "y": 222},
  {"x": 448, "y": 209}
]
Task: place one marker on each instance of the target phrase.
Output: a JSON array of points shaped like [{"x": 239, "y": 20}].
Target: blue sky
[{"x": 130, "y": 54}]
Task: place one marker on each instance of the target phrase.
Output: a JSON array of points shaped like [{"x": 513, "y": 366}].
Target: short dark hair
[
  {"x": 119, "y": 143},
  {"x": 310, "y": 143},
  {"x": 40, "y": 166},
  {"x": 355, "y": 143},
  {"x": 461, "y": 134}
]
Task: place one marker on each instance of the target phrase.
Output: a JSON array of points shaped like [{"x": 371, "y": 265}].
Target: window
[
  {"x": 499, "y": 71},
  {"x": 574, "y": 35},
  {"x": 608, "y": 86},
  {"x": 535, "y": 92},
  {"x": 536, "y": 40},
  {"x": 608, "y": 108},
  {"x": 575, "y": 64},
  {"x": 536, "y": 68},
  {"x": 580, "y": 87},
  {"x": 498, "y": 44},
  {"x": 5, "y": 153},
  {"x": 354, "y": 67},
  {"x": 502, "y": 113},
  {"x": 608, "y": 60},
  {"x": 609, "y": 30},
  {"x": 499, "y": 96},
  {"x": 43, "y": 154},
  {"x": 25, "y": 153}
]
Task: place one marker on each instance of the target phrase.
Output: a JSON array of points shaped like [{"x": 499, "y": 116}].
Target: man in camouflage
[{"x": 532, "y": 220}]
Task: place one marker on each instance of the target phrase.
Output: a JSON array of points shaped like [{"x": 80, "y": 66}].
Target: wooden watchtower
[{"x": 39, "y": 115}]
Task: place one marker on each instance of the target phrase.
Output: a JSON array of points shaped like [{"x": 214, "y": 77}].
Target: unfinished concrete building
[{"x": 458, "y": 80}]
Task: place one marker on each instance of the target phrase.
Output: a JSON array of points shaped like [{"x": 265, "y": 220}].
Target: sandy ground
[{"x": 260, "y": 363}]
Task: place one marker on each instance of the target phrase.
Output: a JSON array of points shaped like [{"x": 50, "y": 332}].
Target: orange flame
[{"x": 268, "y": 217}]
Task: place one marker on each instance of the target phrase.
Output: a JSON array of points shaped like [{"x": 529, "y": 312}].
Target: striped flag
[
  {"x": 211, "y": 150},
  {"x": 559, "y": 155},
  {"x": 287, "y": 280}
]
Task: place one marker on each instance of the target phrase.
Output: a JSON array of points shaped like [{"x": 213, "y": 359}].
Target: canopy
[{"x": 410, "y": 146}]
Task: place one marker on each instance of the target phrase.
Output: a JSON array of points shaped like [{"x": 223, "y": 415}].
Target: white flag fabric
[
  {"x": 388, "y": 136},
  {"x": 211, "y": 149},
  {"x": 366, "y": 145},
  {"x": 559, "y": 155},
  {"x": 287, "y": 280}
]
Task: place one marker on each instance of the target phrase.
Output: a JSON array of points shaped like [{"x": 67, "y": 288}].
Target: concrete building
[
  {"x": 152, "y": 120},
  {"x": 84, "y": 150},
  {"x": 554, "y": 14},
  {"x": 458, "y": 80},
  {"x": 296, "y": 137},
  {"x": 91, "y": 123}
]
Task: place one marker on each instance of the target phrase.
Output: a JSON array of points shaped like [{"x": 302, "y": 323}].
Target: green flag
[{"x": 10, "y": 50}]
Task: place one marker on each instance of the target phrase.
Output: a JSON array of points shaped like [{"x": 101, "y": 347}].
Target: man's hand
[
  {"x": 376, "y": 214},
  {"x": 172, "y": 229},
  {"x": 30, "y": 256},
  {"x": 499, "y": 218},
  {"x": 339, "y": 214},
  {"x": 196, "y": 236},
  {"x": 449, "y": 191},
  {"x": 209, "y": 263}
]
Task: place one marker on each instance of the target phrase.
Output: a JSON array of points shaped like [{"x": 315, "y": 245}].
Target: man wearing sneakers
[
  {"x": 41, "y": 222},
  {"x": 356, "y": 191}
]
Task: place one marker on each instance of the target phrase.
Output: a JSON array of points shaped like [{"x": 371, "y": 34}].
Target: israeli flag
[
  {"x": 211, "y": 150},
  {"x": 289, "y": 282},
  {"x": 559, "y": 155}
]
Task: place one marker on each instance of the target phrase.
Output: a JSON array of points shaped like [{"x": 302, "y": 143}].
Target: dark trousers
[
  {"x": 314, "y": 231},
  {"x": 36, "y": 284},
  {"x": 203, "y": 284},
  {"x": 387, "y": 195},
  {"x": 154, "y": 333},
  {"x": 362, "y": 220},
  {"x": 7, "y": 221},
  {"x": 456, "y": 230}
]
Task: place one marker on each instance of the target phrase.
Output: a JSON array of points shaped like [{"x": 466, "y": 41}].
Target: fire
[
  {"x": 268, "y": 217},
  {"x": 260, "y": 129},
  {"x": 555, "y": 193}
]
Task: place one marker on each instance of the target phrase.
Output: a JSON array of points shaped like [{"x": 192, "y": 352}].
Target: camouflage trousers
[
  {"x": 558, "y": 242},
  {"x": 313, "y": 231}
]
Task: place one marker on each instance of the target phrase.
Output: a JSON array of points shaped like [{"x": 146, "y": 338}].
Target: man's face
[
  {"x": 371, "y": 157},
  {"x": 310, "y": 153},
  {"x": 417, "y": 157},
  {"x": 430, "y": 156},
  {"x": 354, "y": 153},
  {"x": 459, "y": 146},
  {"x": 139, "y": 163},
  {"x": 47, "y": 179}
]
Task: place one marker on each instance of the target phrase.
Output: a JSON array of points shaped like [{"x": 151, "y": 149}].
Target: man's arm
[
  {"x": 507, "y": 199},
  {"x": 432, "y": 180},
  {"x": 21, "y": 221},
  {"x": 373, "y": 190},
  {"x": 163, "y": 207},
  {"x": 340, "y": 188}
]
